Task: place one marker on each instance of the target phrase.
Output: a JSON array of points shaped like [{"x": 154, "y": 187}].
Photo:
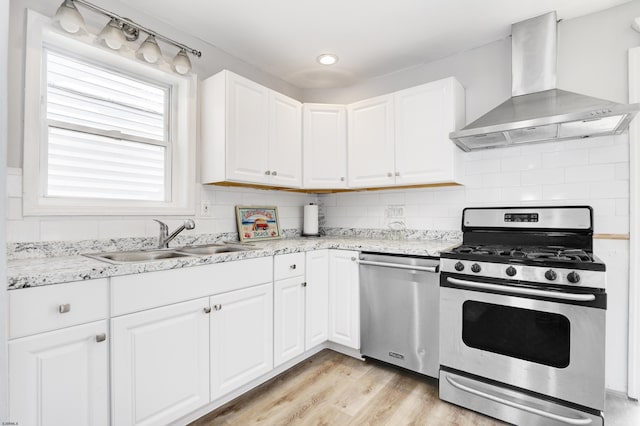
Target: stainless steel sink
[
  {"x": 120, "y": 257},
  {"x": 137, "y": 256},
  {"x": 209, "y": 249}
]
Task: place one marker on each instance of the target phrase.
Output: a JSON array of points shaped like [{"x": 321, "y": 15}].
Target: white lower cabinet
[
  {"x": 288, "y": 319},
  {"x": 241, "y": 337},
  {"x": 160, "y": 363},
  {"x": 60, "y": 377},
  {"x": 344, "y": 298},
  {"x": 316, "y": 298}
]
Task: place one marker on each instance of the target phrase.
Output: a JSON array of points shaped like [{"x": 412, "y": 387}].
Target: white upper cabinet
[
  {"x": 403, "y": 138},
  {"x": 424, "y": 116},
  {"x": 249, "y": 133},
  {"x": 324, "y": 144},
  {"x": 371, "y": 143}
]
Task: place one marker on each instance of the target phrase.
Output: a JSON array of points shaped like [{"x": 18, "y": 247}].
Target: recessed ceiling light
[{"x": 327, "y": 59}]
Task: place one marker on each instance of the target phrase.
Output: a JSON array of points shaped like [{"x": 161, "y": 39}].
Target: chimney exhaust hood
[{"x": 537, "y": 110}]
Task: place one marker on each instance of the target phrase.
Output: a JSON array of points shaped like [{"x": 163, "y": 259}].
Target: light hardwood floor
[{"x": 333, "y": 389}]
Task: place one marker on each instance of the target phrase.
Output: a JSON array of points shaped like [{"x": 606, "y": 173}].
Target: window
[{"x": 114, "y": 136}]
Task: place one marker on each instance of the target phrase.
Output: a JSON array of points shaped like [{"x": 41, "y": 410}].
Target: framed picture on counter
[{"x": 258, "y": 223}]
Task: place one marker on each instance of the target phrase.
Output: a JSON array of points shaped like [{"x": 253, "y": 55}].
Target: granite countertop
[{"x": 34, "y": 272}]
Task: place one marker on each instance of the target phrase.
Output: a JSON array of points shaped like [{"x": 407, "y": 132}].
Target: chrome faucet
[{"x": 164, "y": 238}]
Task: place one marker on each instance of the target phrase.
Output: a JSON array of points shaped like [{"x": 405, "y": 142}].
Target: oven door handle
[
  {"x": 399, "y": 266},
  {"x": 525, "y": 291},
  {"x": 568, "y": 420}
]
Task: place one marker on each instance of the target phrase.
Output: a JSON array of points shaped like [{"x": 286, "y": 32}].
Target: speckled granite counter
[{"x": 23, "y": 273}]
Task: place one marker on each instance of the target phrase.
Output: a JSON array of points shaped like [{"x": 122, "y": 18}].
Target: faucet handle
[{"x": 164, "y": 229}]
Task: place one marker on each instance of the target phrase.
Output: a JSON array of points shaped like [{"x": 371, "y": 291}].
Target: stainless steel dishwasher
[{"x": 399, "y": 298}]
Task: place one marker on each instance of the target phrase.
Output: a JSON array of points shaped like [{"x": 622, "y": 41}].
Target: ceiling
[{"x": 371, "y": 37}]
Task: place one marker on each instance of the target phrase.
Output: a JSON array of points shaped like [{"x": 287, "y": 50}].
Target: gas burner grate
[{"x": 549, "y": 253}]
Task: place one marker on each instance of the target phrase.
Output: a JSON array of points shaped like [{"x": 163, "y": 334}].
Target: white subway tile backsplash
[
  {"x": 561, "y": 159},
  {"x": 122, "y": 228},
  {"x": 21, "y": 231},
  {"x": 542, "y": 176},
  {"x": 622, "y": 207},
  {"x": 477, "y": 167},
  {"x": 591, "y": 173},
  {"x": 565, "y": 191},
  {"x": 610, "y": 224},
  {"x": 529, "y": 162},
  {"x": 524, "y": 193},
  {"x": 500, "y": 179},
  {"x": 622, "y": 171},
  {"x": 610, "y": 154},
  {"x": 483, "y": 195},
  {"x": 68, "y": 230},
  {"x": 613, "y": 189}
]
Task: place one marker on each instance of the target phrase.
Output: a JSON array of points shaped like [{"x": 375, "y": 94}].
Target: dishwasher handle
[{"x": 433, "y": 269}]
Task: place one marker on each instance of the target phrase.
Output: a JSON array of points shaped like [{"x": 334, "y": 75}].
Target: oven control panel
[{"x": 534, "y": 274}]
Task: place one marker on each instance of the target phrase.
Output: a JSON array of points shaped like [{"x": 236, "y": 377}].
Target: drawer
[
  {"x": 288, "y": 265},
  {"x": 38, "y": 309}
]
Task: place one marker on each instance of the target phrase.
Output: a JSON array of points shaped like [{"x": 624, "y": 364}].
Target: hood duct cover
[{"x": 537, "y": 111}]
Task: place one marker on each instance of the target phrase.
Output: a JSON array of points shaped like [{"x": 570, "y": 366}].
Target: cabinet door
[
  {"x": 317, "y": 298},
  {"x": 247, "y": 139},
  {"x": 424, "y": 116},
  {"x": 324, "y": 146},
  {"x": 285, "y": 141},
  {"x": 288, "y": 319},
  {"x": 241, "y": 337},
  {"x": 160, "y": 363},
  {"x": 60, "y": 377},
  {"x": 344, "y": 298},
  {"x": 370, "y": 143}
]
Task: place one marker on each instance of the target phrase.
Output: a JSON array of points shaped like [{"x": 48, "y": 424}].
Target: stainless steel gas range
[{"x": 522, "y": 315}]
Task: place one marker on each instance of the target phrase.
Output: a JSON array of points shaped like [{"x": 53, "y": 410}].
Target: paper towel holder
[{"x": 314, "y": 226}]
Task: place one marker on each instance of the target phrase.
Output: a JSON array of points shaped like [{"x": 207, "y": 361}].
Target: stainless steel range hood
[{"x": 537, "y": 110}]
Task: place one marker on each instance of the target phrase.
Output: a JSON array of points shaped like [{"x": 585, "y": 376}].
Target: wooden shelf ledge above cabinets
[{"x": 330, "y": 191}]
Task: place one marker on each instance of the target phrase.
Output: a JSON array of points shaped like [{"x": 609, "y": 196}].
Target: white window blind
[{"x": 108, "y": 133}]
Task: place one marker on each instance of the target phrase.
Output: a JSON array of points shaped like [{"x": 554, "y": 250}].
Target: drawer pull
[
  {"x": 304, "y": 284},
  {"x": 101, "y": 337},
  {"x": 207, "y": 310},
  {"x": 292, "y": 266},
  {"x": 63, "y": 309},
  {"x": 217, "y": 307}
]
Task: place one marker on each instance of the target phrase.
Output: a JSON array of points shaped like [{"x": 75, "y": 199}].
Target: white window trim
[{"x": 40, "y": 31}]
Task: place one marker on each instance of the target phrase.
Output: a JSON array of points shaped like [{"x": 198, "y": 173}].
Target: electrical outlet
[{"x": 205, "y": 208}]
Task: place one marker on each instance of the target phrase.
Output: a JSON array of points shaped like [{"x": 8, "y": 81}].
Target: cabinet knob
[
  {"x": 274, "y": 173},
  {"x": 342, "y": 179},
  {"x": 292, "y": 266},
  {"x": 267, "y": 173},
  {"x": 353, "y": 259},
  {"x": 397, "y": 173},
  {"x": 101, "y": 337},
  {"x": 63, "y": 309},
  {"x": 217, "y": 307},
  {"x": 207, "y": 310},
  {"x": 304, "y": 284},
  {"x": 389, "y": 174}
]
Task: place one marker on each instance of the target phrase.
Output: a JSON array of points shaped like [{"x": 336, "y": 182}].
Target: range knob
[
  {"x": 475, "y": 268},
  {"x": 511, "y": 271},
  {"x": 573, "y": 277},
  {"x": 551, "y": 275},
  {"x": 459, "y": 266}
]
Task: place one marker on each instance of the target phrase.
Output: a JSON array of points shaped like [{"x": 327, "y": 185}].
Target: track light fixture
[{"x": 119, "y": 31}]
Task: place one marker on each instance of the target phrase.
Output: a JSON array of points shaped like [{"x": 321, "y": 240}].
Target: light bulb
[
  {"x": 149, "y": 50},
  {"x": 112, "y": 34},
  {"x": 181, "y": 63},
  {"x": 69, "y": 18}
]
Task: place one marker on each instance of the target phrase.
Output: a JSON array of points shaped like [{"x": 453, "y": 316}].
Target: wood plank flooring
[{"x": 334, "y": 389}]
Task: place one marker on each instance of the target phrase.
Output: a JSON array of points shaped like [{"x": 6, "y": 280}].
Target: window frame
[{"x": 181, "y": 136}]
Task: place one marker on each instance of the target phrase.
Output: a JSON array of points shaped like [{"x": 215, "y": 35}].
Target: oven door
[{"x": 548, "y": 342}]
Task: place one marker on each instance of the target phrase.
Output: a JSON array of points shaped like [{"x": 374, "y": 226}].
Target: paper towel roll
[{"x": 310, "y": 219}]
